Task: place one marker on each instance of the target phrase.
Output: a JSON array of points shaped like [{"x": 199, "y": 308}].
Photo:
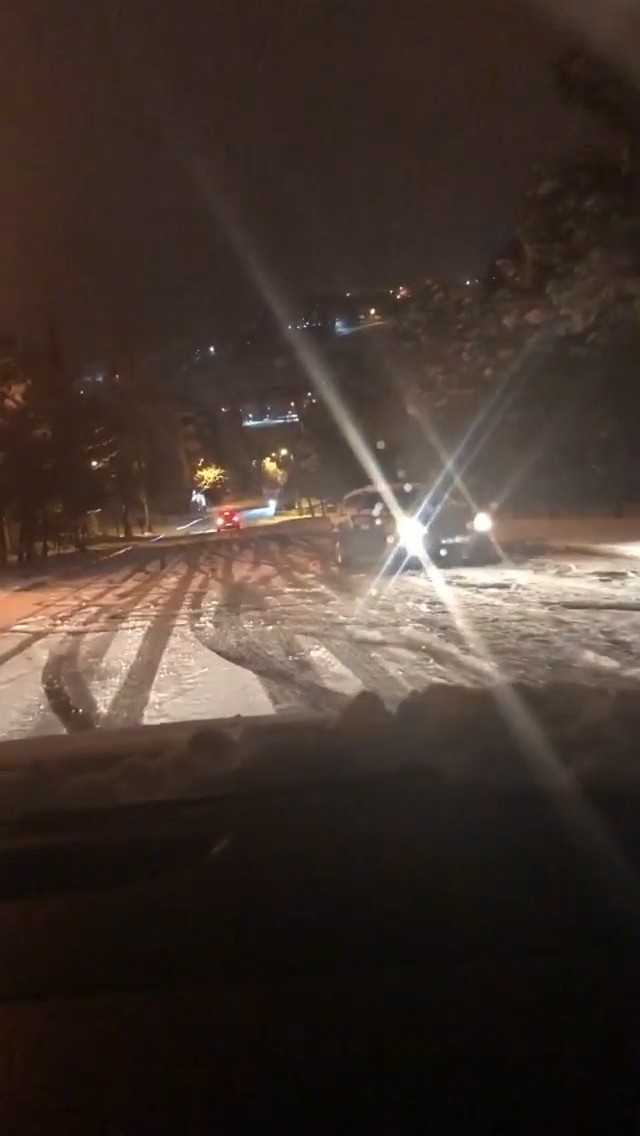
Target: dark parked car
[{"x": 444, "y": 528}]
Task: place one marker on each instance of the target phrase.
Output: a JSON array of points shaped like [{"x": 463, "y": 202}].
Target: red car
[{"x": 228, "y": 519}]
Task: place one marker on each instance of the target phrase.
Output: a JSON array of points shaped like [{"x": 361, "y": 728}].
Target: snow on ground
[
  {"x": 586, "y": 532},
  {"x": 262, "y": 623}
]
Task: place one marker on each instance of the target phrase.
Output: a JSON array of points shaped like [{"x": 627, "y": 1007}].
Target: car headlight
[
  {"x": 411, "y": 535},
  {"x": 482, "y": 522}
]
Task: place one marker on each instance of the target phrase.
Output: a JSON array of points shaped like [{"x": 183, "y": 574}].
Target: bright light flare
[
  {"x": 482, "y": 523},
  {"x": 411, "y": 533}
]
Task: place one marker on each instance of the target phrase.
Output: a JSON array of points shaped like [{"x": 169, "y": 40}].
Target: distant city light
[
  {"x": 268, "y": 420},
  {"x": 372, "y": 311},
  {"x": 284, "y": 453},
  {"x": 94, "y": 463},
  {"x": 212, "y": 350}
]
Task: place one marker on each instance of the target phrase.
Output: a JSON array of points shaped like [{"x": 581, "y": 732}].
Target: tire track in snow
[
  {"x": 529, "y": 638},
  {"x": 106, "y": 656},
  {"x": 424, "y": 656},
  {"x": 387, "y": 661},
  {"x": 266, "y": 649},
  {"x": 193, "y": 683},
  {"x": 67, "y": 684},
  {"x": 284, "y": 670},
  {"x": 461, "y": 667},
  {"x": 66, "y": 612},
  {"x": 129, "y": 703},
  {"x": 367, "y": 665}
]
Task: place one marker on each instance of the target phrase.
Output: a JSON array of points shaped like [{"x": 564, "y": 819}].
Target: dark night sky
[{"x": 360, "y": 141}]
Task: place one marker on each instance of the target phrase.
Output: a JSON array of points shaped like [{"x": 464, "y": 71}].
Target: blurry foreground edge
[{"x": 452, "y": 731}]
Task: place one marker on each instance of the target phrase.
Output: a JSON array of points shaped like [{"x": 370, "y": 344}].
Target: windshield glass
[
  {"x": 211, "y": 335},
  {"x": 364, "y": 502}
]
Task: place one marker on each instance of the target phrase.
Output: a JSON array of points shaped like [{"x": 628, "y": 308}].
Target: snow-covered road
[{"x": 262, "y": 623}]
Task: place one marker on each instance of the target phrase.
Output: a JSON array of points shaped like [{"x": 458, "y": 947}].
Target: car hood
[{"x": 444, "y": 726}]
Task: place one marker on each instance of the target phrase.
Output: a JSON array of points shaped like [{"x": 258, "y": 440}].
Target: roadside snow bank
[
  {"x": 506, "y": 735},
  {"x": 572, "y": 532}
]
